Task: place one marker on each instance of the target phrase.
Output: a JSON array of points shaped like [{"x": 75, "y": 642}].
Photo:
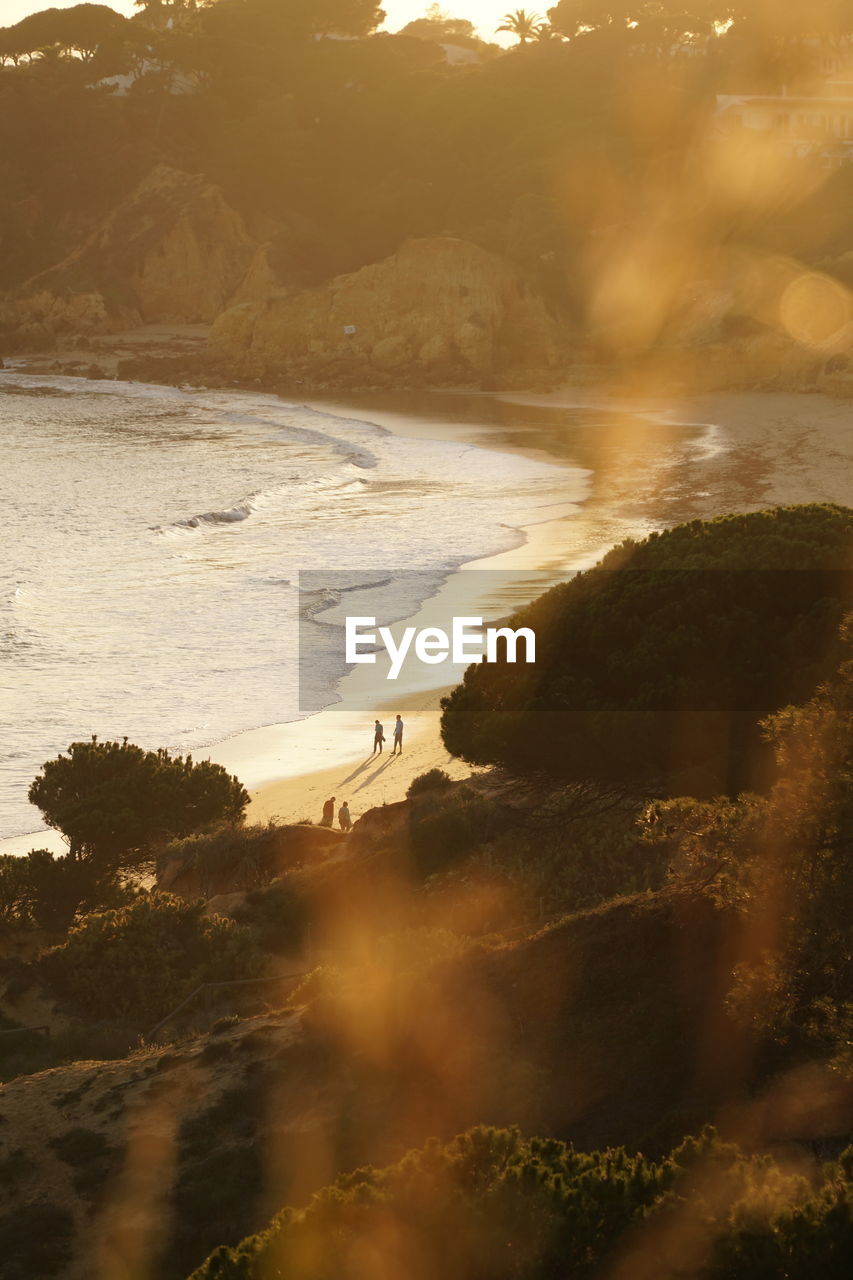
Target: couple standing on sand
[
  {"x": 329, "y": 815},
  {"x": 379, "y": 737}
]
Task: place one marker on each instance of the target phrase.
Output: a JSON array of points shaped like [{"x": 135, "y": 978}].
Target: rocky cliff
[
  {"x": 438, "y": 308},
  {"x": 173, "y": 252}
]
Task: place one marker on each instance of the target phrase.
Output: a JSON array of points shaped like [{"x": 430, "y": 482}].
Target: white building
[{"x": 813, "y": 125}]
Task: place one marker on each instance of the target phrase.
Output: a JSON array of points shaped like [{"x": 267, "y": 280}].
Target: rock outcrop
[
  {"x": 173, "y": 252},
  {"x": 439, "y": 307},
  {"x": 259, "y": 281}
]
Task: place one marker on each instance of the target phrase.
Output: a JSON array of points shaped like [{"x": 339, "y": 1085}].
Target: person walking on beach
[
  {"x": 378, "y": 737},
  {"x": 343, "y": 817},
  {"x": 398, "y": 736},
  {"x": 328, "y": 813}
]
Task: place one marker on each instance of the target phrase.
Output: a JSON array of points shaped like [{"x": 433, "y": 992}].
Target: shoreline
[
  {"x": 288, "y": 766},
  {"x": 270, "y": 759}
]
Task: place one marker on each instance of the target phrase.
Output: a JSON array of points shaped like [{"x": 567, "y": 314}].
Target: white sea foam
[{"x": 154, "y": 542}]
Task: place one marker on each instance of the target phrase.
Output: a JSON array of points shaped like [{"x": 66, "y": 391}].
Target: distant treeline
[{"x": 338, "y": 142}]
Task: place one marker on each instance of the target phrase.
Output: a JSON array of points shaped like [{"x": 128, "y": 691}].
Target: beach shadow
[
  {"x": 373, "y": 775},
  {"x": 361, "y": 768}
]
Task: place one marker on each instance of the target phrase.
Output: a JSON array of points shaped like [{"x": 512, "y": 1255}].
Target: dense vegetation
[
  {"x": 46, "y": 891},
  {"x": 655, "y": 668},
  {"x": 480, "y": 959},
  {"x": 115, "y": 803},
  {"x": 432, "y": 780},
  {"x": 338, "y": 150},
  {"x": 441, "y": 1001},
  {"x": 138, "y": 963},
  {"x": 784, "y": 861},
  {"x": 493, "y": 1204}
]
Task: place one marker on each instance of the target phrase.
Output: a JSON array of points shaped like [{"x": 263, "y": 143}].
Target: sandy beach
[
  {"x": 359, "y": 776},
  {"x": 649, "y": 463},
  {"x": 764, "y": 449}
]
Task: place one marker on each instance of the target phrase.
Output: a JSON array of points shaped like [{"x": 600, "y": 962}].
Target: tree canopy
[
  {"x": 81, "y": 29},
  {"x": 656, "y": 667},
  {"x": 139, "y": 962},
  {"x": 115, "y": 802},
  {"x": 439, "y": 26},
  {"x": 294, "y": 19},
  {"x": 574, "y": 17},
  {"x": 784, "y": 861},
  {"x": 777, "y": 20},
  {"x": 491, "y": 1203},
  {"x": 341, "y": 149},
  {"x": 44, "y": 891}
]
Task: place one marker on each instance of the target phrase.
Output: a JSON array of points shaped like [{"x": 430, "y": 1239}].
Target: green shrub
[
  {"x": 15, "y": 891},
  {"x": 225, "y": 1024},
  {"x": 432, "y": 780},
  {"x": 491, "y": 1203},
  {"x": 655, "y": 668},
  {"x": 557, "y": 862},
  {"x": 115, "y": 802},
  {"x": 794, "y": 841},
  {"x": 279, "y": 916},
  {"x": 141, "y": 961},
  {"x": 445, "y": 827},
  {"x": 229, "y": 847},
  {"x": 44, "y": 891}
]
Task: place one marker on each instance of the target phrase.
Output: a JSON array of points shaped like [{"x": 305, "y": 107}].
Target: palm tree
[{"x": 522, "y": 24}]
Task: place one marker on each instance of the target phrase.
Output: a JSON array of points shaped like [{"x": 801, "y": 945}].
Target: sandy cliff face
[
  {"x": 174, "y": 251},
  {"x": 188, "y": 270},
  {"x": 437, "y": 305}
]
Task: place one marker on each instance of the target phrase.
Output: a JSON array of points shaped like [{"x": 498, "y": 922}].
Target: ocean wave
[
  {"x": 330, "y": 482},
  {"x": 11, "y": 388},
  {"x": 356, "y": 454},
  {"x": 233, "y": 516},
  {"x": 247, "y": 491},
  {"x": 313, "y": 601}
]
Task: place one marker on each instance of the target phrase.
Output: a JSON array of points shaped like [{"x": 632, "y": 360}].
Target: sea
[{"x": 154, "y": 540}]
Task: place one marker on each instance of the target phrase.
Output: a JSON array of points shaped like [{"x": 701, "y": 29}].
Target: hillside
[
  {"x": 600, "y": 1029},
  {"x": 585, "y": 958},
  {"x": 578, "y": 1003},
  {"x": 167, "y": 169},
  {"x": 172, "y": 252}
]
